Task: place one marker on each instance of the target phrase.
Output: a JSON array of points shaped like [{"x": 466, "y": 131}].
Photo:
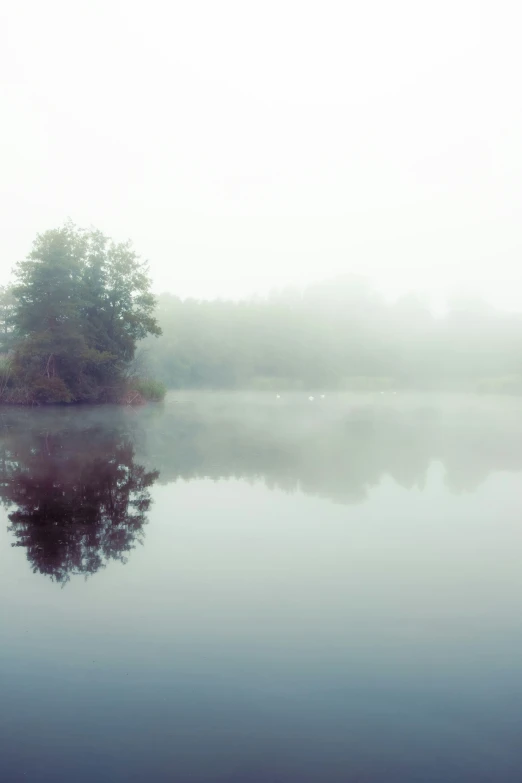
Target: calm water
[{"x": 231, "y": 589}]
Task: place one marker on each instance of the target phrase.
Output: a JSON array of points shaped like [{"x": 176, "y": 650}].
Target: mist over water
[
  {"x": 262, "y": 587},
  {"x": 260, "y": 392}
]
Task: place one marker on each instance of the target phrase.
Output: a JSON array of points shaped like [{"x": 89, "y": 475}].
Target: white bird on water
[{"x": 311, "y": 399}]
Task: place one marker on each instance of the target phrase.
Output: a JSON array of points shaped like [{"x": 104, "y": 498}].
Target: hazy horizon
[{"x": 246, "y": 149}]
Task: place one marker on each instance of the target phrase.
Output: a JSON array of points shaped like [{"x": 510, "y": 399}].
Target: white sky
[{"x": 247, "y": 145}]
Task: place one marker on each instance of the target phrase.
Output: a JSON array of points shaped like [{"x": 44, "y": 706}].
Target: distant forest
[
  {"x": 336, "y": 335},
  {"x": 79, "y": 323}
]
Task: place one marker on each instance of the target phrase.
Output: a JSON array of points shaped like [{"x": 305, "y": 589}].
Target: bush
[
  {"x": 50, "y": 390},
  {"x": 148, "y": 388}
]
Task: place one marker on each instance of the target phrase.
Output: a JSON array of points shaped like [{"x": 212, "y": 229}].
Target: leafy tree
[
  {"x": 81, "y": 303},
  {"x": 7, "y": 304}
]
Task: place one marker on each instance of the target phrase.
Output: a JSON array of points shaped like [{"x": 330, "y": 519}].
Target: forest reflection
[
  {"x": 77, "y": 497},
  {"x": 77, "y": 483},
  {"x": 336, "y": 448}
]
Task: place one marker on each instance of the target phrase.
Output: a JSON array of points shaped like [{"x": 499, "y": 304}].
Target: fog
[
  {"x": 260, "y": 391},
  {"x": 244, "y": 148},
  {"x": 340, "y": 334},
  {"x": 339, "y": 447}
]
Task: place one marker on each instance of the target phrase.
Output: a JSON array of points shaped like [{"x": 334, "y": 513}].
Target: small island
[{"x": 71, "y": 321}]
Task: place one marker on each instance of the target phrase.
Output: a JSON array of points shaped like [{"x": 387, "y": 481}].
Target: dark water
[{"x": 228, "y": 589}]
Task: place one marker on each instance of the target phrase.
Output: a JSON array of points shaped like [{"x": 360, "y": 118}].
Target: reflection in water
[
  {"x": 338, "y": 449},
  {"x": 79, "y": 497},
  {"x": 262, "y": 636}
]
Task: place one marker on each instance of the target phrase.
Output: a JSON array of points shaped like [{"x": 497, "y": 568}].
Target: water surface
[{"x": 232, "y": 588}]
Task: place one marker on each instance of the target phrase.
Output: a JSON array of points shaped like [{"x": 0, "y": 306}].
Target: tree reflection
[
  {"x": 80, "y": 499},
  {"x": 340, "y": 448},
  {"x": 77, "y": 482}
]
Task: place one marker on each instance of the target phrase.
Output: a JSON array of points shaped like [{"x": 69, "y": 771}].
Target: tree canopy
[{"x": 71, "y": 321}]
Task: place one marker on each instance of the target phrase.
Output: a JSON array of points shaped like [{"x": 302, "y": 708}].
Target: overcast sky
[{"x": 244, "y": 146}]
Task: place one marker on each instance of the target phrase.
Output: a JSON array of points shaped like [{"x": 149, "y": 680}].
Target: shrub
[
  {"x": 148, "y": 388},
  {"x": 50, "y": 390}
]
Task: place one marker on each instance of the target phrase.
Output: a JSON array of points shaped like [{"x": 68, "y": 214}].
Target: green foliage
[
  {"x": 7, "y": 304},
  {"x": 46, "y": 390},
  {"x": 149, "y": 388},
  {"x": 72, "y": 319},
  {"x": 5, "y": 366},
  {"x": 340, "y": 335}
]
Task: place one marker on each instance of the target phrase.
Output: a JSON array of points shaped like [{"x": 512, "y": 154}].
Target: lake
[{"x": 231, "y": 588}]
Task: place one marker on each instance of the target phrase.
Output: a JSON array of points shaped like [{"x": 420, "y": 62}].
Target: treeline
[
  {"x": 80, "y": 305},
  {"x": 335, "y": 335}
]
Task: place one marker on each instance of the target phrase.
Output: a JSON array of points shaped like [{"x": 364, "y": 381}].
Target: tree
[
  {"x": 7, "y": 303},
  {"x": 81, "y": 303}
]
